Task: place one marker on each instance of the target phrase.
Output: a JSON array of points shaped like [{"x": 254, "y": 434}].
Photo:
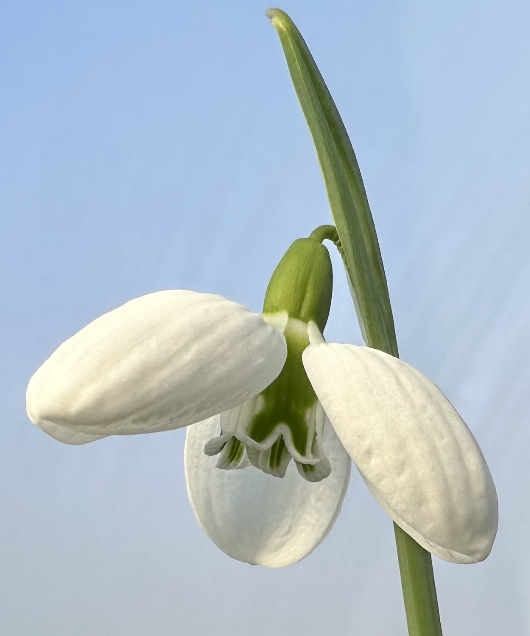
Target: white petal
[
  {"x": 416, "y": 454},
  {"x": 159, "y": 362},
  {"x": 258, "y": 518}
]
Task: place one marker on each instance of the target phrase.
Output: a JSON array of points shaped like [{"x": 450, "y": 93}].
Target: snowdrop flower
[{"x": 275, "y": 415}]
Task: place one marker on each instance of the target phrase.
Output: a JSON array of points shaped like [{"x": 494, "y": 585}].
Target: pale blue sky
[{"x": 152, "y": 145}]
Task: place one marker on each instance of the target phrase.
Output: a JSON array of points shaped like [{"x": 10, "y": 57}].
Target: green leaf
[{"x": 345, "y": 188}]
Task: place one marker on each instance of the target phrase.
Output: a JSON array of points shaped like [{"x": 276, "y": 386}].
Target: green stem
[
  {"x": 359, "y": 249},
  {"x": 419, "y": 589},
  {"x": 323, "y": 232}
]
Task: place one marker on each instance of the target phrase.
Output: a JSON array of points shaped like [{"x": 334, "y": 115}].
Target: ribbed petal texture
[
  {"x": 158, "y": 362},
  {"x": 416, "y": 454},
  {"x": 258, "y": 518}
]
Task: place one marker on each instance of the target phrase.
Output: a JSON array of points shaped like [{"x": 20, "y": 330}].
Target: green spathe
[{"x": 302, "y": 283}]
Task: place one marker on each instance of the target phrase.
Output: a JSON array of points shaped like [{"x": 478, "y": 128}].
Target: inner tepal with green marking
[{"x": 286, "y": 420}]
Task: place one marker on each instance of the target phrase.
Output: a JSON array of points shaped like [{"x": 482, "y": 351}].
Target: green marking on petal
[
  {"x": 285, "y": 421},
  {"x": 273, "y": 460},
  {"x": 289, "y": 398},
  {"x": 232, "y": 455},
  {"x": 314, "y": 472}
]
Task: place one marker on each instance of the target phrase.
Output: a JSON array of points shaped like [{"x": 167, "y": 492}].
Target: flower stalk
[{"x": 360, "y": 251}]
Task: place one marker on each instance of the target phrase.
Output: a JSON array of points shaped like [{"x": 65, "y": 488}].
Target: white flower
[{"x": 179, "y": 358}]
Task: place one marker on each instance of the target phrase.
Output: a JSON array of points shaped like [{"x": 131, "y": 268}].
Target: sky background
[{"x": 154, "y": 145}]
